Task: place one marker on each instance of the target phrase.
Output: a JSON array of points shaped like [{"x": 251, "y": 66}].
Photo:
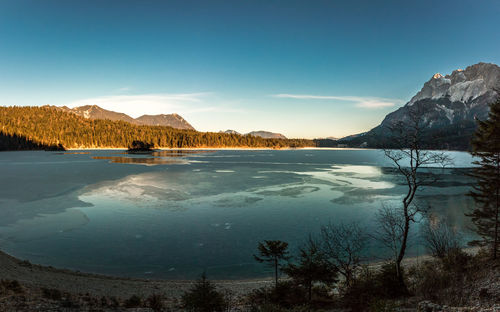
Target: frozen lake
[{"x": 174, "y": 214}]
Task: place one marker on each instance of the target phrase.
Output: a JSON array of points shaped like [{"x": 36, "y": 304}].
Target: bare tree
[
  {"x": 409, "y": 158},
  {"x": 439, "y": 237},
  {"x": 312, "y": 267},
  {"x": 344, "y": 244},
  {"x": 390, "y": 231}
]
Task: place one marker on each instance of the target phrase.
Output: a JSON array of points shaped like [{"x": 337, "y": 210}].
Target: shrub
[
  {"x": 374, "y": 287},
  {"x": 388, "y": 282},
  {"x": 113, "y": 302},
  {"x": 52, "y": 294},
  {"x": 133, "y": 302},
  {"x": 203, "y": 297},
  {"x": 230, "y": 299},
  {"x": 68, "y": 302},
  {"x": 155, "y": 302},
  {"x": 381, "y": 305},
  {"x": 444, "y": 280},
  {"x": 277, "y": 308},
  {"x": 12, "y": 285},
  {"x": 439, "y": 237},
  {"x": 456, "y": 261},
  {"x": 285, "y": 294}
]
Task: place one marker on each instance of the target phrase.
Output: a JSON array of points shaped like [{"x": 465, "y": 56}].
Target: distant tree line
[{"x": 39, "y": 127}]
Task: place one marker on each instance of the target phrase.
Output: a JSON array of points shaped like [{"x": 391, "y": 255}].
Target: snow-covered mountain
[{"x": 450, "y": 104}]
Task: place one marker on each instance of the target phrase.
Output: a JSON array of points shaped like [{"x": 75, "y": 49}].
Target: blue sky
[{"x": 301, "y": 68}]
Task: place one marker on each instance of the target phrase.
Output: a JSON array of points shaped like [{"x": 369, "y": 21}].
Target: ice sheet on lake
[
  {"x": 43, "y": 226},
  {"x": 143, "y": 188},
  {"x": 294, "y": 191},
  {"x": 366, "y": 177},
  {"x": 236, "y": 201}
]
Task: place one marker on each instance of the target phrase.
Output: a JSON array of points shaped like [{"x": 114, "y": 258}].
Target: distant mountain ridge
[
  {"x": 229, "y": 131},
  {"x": 450, "y": 104},
  {"x": 267, "y": 134},
  {"x": 35, "y": 127},
  {"x": 96, "y": 112},
  {"x": 260, "y": 133},
  {"x": 171, "y": 120}
]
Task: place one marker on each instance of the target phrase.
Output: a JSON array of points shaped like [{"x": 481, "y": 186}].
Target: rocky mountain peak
[
  {"x": 267, "y": 134},
  {"x": 450, "y": 104},
  {"x": 169, "y": 120},
  {"x": 461, "y": 85},
  {"x": 229, "y": 131}
]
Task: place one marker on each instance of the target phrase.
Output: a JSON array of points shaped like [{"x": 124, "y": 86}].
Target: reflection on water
[
  {"x": 141, "y": 161},
  {"x": 152, "y": 158},
  {"x": 205, "y": 213},
  {"x": 73, "y": 153},
  {"x": 179, "y": 153}
]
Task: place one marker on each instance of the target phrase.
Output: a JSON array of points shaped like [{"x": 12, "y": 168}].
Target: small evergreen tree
[
  {"x": 273, "y": 252},
  {"x": 486, "y": 193},
  {"x": 313, "y": 267},
  {"x": 203, "y": 297}
]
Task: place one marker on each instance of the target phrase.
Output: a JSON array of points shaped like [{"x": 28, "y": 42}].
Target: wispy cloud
[
  {"x": 160, "y": 103},
  {"x": 359, "y": 101},
  {"x": 123, "y": 89}
]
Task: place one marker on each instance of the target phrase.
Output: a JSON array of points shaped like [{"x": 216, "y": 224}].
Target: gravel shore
[{"x": 100, "y": 285}]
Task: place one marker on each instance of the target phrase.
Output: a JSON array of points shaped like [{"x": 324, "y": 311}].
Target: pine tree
[
  {"x": 273, "y": 252},
  {"x": 486, "y": 193},
  {"x": 203, "y": 297}
]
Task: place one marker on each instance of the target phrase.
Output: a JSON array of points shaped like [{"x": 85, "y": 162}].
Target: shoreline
[
  {"x": 228, "y": 148},
  {"x": 35, "y": 275},
  {"x": 219, "y": 149},
  {"x": 184, "y": 148}
]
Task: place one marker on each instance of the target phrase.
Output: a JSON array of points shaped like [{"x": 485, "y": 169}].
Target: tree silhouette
[
  {"x": 409, "y": 158},
  {"x": 486, "y": 193},
  {"x": 203, "y": 297},
  {"x": 313, "y": 266},
  {"x": 140, "y": 146},
  {"x": 273, "y": 252},
  {"x": 343, "y": 244}
]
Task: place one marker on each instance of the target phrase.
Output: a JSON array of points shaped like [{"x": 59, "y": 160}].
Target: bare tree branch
[{"x": 409, "y": 158}]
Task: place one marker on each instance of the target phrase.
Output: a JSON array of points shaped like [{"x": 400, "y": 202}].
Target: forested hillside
[{"x": 42, "y": 127}]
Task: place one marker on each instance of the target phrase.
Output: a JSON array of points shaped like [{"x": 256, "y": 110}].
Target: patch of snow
[
  {"x": 449, "y": 112},
  {"x": 467, "y": 90}
]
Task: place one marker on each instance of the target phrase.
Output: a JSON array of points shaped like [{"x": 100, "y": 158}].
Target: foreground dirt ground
[{"x": 87, "y": 290}]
